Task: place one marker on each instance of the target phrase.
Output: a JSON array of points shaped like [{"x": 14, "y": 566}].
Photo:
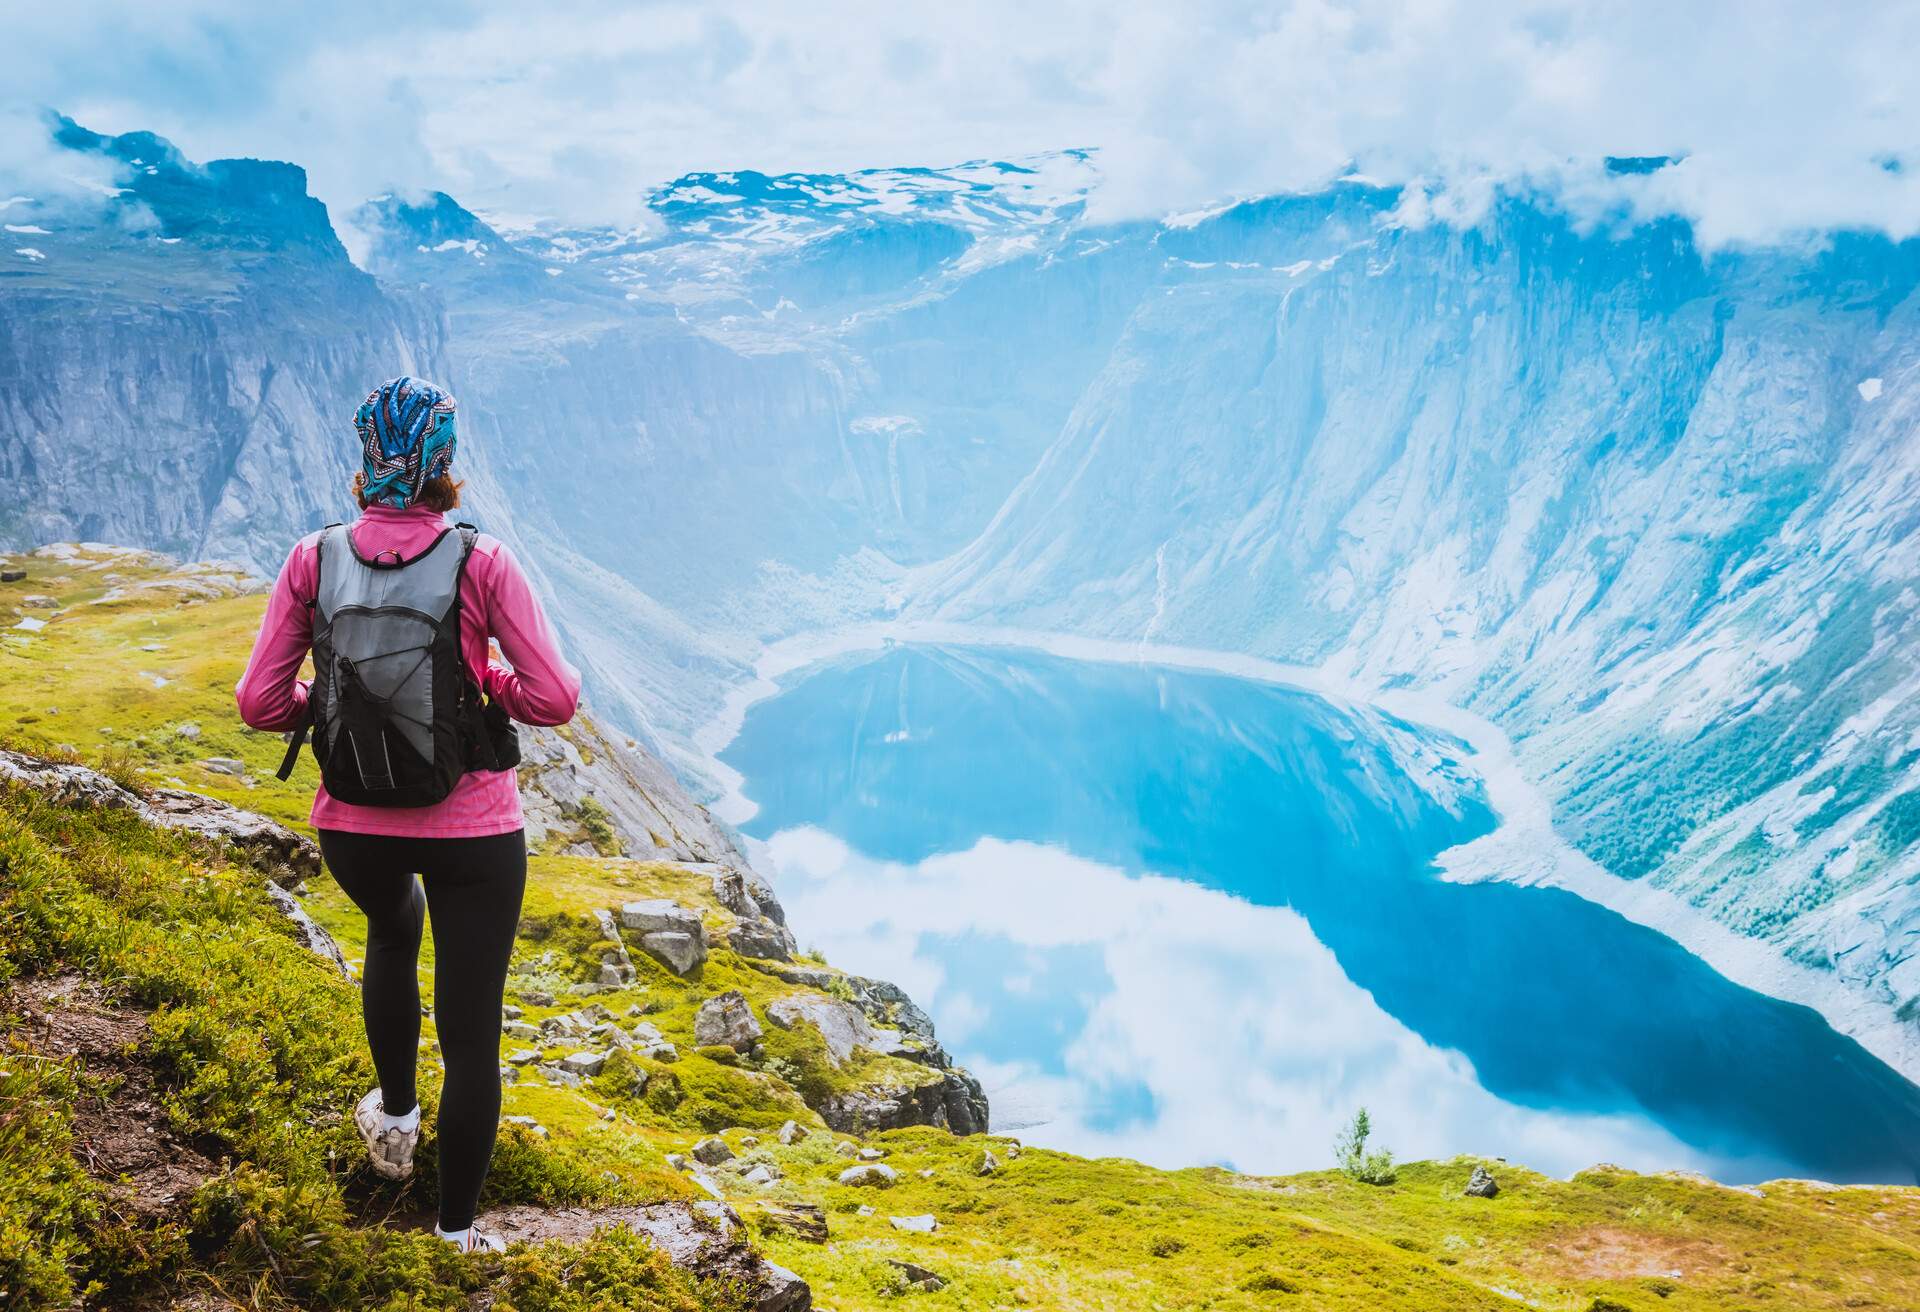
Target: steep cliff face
[{"x": 179, "y": 363}]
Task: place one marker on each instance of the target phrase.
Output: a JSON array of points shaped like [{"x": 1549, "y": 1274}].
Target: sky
[{"x": 1791, "y": 118}]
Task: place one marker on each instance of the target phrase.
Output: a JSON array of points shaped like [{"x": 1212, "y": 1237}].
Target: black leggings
[{"x": 473, "y": 890}]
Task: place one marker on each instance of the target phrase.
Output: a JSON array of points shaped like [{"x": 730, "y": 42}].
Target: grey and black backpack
[{"x": 396, "y": 720}]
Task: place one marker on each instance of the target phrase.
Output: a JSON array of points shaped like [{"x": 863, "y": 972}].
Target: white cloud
[{"x": 1791, "y": 116}]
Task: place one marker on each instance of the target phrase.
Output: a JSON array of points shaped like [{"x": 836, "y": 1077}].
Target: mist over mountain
[{"x": 1648, "y": 509}]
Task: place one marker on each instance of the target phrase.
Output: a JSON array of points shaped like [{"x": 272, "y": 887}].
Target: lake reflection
[{"x": 1190, "y": 918}]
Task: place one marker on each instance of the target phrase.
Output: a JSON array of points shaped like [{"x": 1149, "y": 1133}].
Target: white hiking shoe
[
  {"x": 473, "y": 1240},
  {"x": 390, "y": 1145}
]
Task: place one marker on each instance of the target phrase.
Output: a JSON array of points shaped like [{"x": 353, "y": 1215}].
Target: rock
[
  {"x": 846, "y": 1149},
  {"x": 536, "y": 997},
  {"x": 841, "y": 1024},
  {"x": 1481, "y": 1184},
  {"x": 806, "y": 1221},
  {"x": 863, "y": 1210},
  {"x": 654, "y": 914},
  {"x": 315, "y": 939},
  {"x": 12, "y": 575},
  {"x": 705, "y": 1238},
  {"x": 679, "y": 953},
  {"x": 224, "y": 765},
  {"x": 662, "y": 1052},
  {"x": 616, "y": 967},
  {"x": 585, "y": 1064},
  {"x": 508, "y": 1075},
  {"x": 188, "y": 731},
  {"x": 759, "y": 938},
  {"x": 519, "y": 1029},
  {"x": 917, "y": 1276},
  {"x": 988, "y": 1164},
  {"x": 952, "y": 1102},
  {"x": 558, "y": 1074},
  {"x": 919, "y": 1225},
  {"x": 872, "y": 1175},
  {"x": 711, "y": 1151},
  {"x": 749, "y": 1141},
  {"x": 522, "y": 1056},
  {"x": 527, "y": 1123},
  {"x": 792, "y": 1132},
  {"x": 509, "y": 1012},
  {"x": 676, "y": 1162},
  {"x": 761, "y": 1175},
  {"x": 872, "y": 1154},
  {"x": 726, "y": 1019},
  {"x": 926, "y": 1174}
]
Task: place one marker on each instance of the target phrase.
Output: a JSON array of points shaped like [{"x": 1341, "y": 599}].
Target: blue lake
[{"x": 1190, "y": 918}]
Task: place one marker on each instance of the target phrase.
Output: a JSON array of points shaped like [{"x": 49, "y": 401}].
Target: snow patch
[{"x": 1869, "y": 389}]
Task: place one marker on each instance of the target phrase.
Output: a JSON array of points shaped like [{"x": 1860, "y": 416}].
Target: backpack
[{"x": 396, "y": 719}]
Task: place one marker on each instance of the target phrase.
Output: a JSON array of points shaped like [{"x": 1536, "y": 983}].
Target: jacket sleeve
[
  {"x": 537, "y": 686},
  {"x": 270, "y": 693}
]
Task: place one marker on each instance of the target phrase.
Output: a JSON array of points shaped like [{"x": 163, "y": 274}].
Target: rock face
[
  {"x": 565, "y": 776},
  {"x": 1481, "y": 1184},
  {"x": 955, "y": 1102},
  {"x": 726, "y": 1019},
  {"x": 706, "y": 1238},
  {"x": 842, "y": 1025}
]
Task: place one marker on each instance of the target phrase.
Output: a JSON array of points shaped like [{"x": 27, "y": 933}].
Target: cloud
[
  {"x": 1169, "y": 1022},
  {"x": 1790, "y": 117}
]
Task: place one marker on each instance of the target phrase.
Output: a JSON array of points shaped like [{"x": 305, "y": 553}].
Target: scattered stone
[
  {"x": 522, "y": 1056},
  {"x": 508, "y": 1075},
  {"x": 807, "y": 1221},
  {"x": 761, "y": 1175},
  {"x": 712, "y": 1151},
  {"x": 663, "y": 1052},
  {"x": 509, "y": 1012},
  {"x": 676, "y": 1162},
  {"x": 758, "y": 938},
  {"x": 749, "y": 1141},
  {"x": 872, "y": 1154},
  {"x": 583, "y": 1063},
  {"x": 651, "y": 914},
  {"x": 519, "y": 1029},
  {"x": 224, "y": 765},
  {"x": 536, "y": 998},
  {"x": 926, "y": 1173},
  {"x": 527, "y": 1123},
  {"x": 792, "y": 1132},
  {"x": 846, "y": 1149},
  {"x": 863, "y": 1210},
  {"x": 557, "y": 1074},
  {"x": 188, "y": 731},
  {"x": 917, "y": 1276},
  {"x": 726, "y": 1019},
  {"x": 12, "y": 575},
  {"x": 919, "y": 1225},
  {"x": 988, "y": 1164},
  {"x": 1482, "y": 1184},
  {"x": 872, "y": 1175}
]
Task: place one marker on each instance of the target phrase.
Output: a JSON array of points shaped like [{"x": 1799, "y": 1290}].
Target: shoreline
[{"x": 1522, "y": 849}]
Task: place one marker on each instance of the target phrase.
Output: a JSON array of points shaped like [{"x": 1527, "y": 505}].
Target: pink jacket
[{"x": 537, "y": 686}]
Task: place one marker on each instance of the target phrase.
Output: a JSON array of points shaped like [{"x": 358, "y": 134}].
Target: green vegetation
[
  {"x": 250, "y": 1049},
  {"x": 1351, "y": 1154}
]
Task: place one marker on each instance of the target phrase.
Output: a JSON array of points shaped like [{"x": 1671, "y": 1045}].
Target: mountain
[{"x": 1646, "y": 509}]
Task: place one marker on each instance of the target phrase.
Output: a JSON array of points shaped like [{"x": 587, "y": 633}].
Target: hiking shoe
[
  {"x": 473, "y": 1240},
  {"x": 390, "y": 1148}
]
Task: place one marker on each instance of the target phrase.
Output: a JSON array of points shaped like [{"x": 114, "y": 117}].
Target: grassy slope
[{"x": 256, "y": 1036}]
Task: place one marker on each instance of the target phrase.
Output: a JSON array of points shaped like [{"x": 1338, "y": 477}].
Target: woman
[{"x": 468, "y": 845}]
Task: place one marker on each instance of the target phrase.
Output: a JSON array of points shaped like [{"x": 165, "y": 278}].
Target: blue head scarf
[{"x": 406, "y": 437}]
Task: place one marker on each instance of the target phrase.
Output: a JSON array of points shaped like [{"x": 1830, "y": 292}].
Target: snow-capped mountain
[{"x": 1649, "y": 510}]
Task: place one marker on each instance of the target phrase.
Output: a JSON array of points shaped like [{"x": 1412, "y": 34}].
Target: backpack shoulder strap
[{"x": 299, "y": 738}]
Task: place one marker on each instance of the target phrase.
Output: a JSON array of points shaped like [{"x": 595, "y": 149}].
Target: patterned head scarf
[{"x": 406, "y": 437}]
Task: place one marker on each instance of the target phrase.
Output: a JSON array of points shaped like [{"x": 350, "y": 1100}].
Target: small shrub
[
  {"x": 1350, "y": 1152},
  {"x": 1166, "y": 1246},
  {"x": 1269, "y": 1282}
]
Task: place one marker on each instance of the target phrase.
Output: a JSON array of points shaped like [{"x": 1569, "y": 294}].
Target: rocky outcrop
[
  {"x": 706, "y": 1238},
  {"x": 1481, "y": 1184},
  {"x": 580, "y": 777},
  {"x": 954, "y": 1102},
  {"x": 671, "y": 934},
  {"x": 284, "y": 856}
]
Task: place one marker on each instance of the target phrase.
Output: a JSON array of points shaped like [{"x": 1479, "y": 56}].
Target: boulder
[
  {"x": 841, "y": 1024},
  {"x": 919, "y": 1225},
  {"x": 952, "y": 1102},
  {"x": 711, "y": 1151},
  {"x": 519, "y": 1029},
  {"x": 845, "y": 1149},
  {"x": 656, "y": 914},
  {"x": 870, "y": 1175},
  {"x": 792, "y": 1132},
  {"x": 763, "y": 939},
  {"x": 872, "y": 1154},
  {"x": 761, "y": 1175},
  {"x": 806, "y": 1221},
  {"x": 726, "y": 1019},
  {"x": 585, "y": 1064},
  {"x": 988, "y": 1163},
  {"x": 917, "y": 1276},
  {"x": 522, "y": 1056},
  {"x": 679, "y": 953},
  {"x": 1481, "y": 1184}
]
